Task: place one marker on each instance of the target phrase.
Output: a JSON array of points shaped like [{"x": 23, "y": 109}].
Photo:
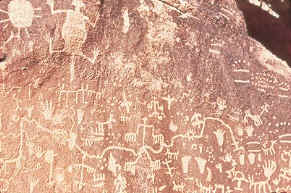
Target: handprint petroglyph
[{"x": 269, "y": 168}]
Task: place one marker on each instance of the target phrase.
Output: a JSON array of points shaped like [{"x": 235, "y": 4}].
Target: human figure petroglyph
[
  {"x": 169, "y": 168},
  {"x": 169, "y": 100},
  {"x": 125, "y": 103},
  {"x": 219, "y": 167},
  {"x": 74, "y": 33},
  {"x": 156, "y": 108},
  {"x": 49, "y": 158},
  {"x": 74, "y": 27},
  {"x": 144, "y": 126}
]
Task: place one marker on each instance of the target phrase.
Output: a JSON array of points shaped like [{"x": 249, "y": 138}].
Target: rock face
[
  {"x": 139, "y": 96},
  {"x": 270, "y": 23}
]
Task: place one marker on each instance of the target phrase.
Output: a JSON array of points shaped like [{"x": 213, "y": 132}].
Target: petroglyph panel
[{"x": 139, "y": 96}]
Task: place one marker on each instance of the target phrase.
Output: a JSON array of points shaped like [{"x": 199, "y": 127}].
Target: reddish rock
[{"x": 139, "y": 96}]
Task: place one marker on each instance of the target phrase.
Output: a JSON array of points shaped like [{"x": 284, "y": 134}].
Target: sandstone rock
[{"x": 139, "y": 96}]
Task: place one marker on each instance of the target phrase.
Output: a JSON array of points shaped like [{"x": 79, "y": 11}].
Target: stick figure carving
[{"x": 74, "y": 33}]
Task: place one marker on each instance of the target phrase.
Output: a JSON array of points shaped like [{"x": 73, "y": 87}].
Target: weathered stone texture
[{"x": 139, "y": 96}]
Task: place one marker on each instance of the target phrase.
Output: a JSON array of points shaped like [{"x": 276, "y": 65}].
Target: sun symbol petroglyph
[{"x": 20, "y": 14}]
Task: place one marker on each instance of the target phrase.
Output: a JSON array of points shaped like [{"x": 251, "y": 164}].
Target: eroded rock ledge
[
  {"x": 139, "y": 96},
  {"x": 269, "y": 23}
]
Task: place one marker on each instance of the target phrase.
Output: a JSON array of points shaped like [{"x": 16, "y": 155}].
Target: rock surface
[
  {"x": 269, "y": 22},
  {"x": 139, "y": 96}
]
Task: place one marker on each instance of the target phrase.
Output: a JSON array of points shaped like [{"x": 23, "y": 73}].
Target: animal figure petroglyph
[
  {"x": 155, "y": 165},
  {"x": 130, "y": 167},
  {"x": 172, "y": 155},
  {"x": 130, "y": 137},
  {"x": 269, "y": 150},
  {"x": 255, "y": 118},
  {"x": 158, "y": 139},
  {"x": 259, "y": 186}
]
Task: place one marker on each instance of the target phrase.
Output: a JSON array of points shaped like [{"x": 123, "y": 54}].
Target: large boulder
[{"x": 139, "y": 96}]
